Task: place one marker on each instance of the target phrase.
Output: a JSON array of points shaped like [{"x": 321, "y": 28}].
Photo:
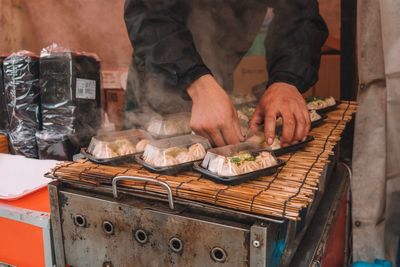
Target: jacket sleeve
[
  {"x": 294, "y": 41},
  {"x": 162, "y": 44}
]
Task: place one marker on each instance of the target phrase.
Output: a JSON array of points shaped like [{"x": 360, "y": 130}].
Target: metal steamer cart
[{"x": 112, "y": 225}]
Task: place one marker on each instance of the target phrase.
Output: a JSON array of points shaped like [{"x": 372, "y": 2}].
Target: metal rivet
[
  {"x": 80, "y": 220},
  {"x": 108, "y": 227},
  {"x": 218, "y": 254},
  {"x": 256, "y": 243},
  {"x": 176, "y": 244},
  {"x": 141, "y": 236},
  {"x": 357, "y": 223}
]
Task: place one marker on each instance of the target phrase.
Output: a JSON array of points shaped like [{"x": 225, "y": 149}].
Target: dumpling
[
  {"x": 229, "y": 169},
  {"x": 184, "y": 126},
  {"x": 314, "y": 115},
  {"x": 124, "y": 147},
  {"x": 257, "y": 138},
  {"x": 184, "y": 157},
  {"x": 154, "y": 127},
  {"x": 276, "y": 144},
  {"x": 170, "y": 128},
  {"x": 330, "y": 101},
  {"x": 265, "y": 160},
  {"x": 126, "y": 150},
  {"x": 249, "y": 166},
  {"x": 197, "y": 151},
  {"x": 242, "y": 116},
  {"x": 174, "y": 151},
  {"x": 151, "y": 155},
  {"x": 102, "y": 151},
  {"x": 216, "y": 164},
  {"x": 169, "y": 161},
  {"x": 141, "y": 145},
  {"x": 321, "y": 103},
  {"x": 317, "y": 104}
]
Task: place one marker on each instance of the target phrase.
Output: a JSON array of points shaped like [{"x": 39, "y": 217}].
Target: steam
[{"x": 222, "y": 32}]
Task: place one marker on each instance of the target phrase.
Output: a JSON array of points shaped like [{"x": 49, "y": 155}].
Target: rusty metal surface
[
  {"x": 260, "y": 245},
  {"x": 56, "y": 224},
  {"x": 90, "y": 245}
]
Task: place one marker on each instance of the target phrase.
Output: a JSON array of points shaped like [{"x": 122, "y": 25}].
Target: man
[
  {"x": 375, "y": 184},
  {"x": 188, "y": 50}
]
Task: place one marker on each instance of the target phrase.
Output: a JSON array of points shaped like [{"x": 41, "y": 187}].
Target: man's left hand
[{"x": 282, "y": 99}]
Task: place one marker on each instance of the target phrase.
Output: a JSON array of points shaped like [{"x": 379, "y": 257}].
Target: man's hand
[
  {"x": 282, "y": 99},
  {"x": 213, "y": 114}
]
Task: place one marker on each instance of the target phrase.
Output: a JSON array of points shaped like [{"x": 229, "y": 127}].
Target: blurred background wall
[
  {"x": 84, "y": 25},
  {"x": 87, "y": 25}
]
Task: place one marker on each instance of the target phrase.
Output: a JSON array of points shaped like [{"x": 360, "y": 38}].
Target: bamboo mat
[
  {"x": 3, "y": 144},
  {"x": 282, "y": 195}
]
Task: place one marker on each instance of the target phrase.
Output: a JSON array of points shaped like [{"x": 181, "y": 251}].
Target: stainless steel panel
[
  {"x": 259, "y": 246},
  {"x": 91, "y": 245},
  {"x": 56, "y": 224}
]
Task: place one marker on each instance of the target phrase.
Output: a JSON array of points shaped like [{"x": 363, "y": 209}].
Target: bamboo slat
[{"x": 284, "y": 194}]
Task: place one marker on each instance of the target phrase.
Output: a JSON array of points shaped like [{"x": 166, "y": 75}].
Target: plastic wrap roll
[
  {"x": 3, "y": 105},
  {"x": 21, "y": 82},
  {"x": 70, "y": 87}
]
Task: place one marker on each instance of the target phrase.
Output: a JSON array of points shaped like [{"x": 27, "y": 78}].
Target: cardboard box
[
  {"x": 115, "y": 106},
  {"x": 329, "y": 77},
  {"x": 113, "y": 96},
  {"x": 252, "y": 71}
]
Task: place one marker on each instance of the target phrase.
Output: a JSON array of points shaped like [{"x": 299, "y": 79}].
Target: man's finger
[
  {"x": 217, "y": 137},
  {"x": 269, "y": 127},
  {"x": 289, "y": 126},
  {"x": 256, "y": 120},
  {"x": 230, "y": 135},
  {"x": 308, "y": 123},
  {"x": 238, "y": 131},
  {"x": 237, "y": 127},
  {"x": 300, "y": 126},
  {"x": 205, "y": 135}
]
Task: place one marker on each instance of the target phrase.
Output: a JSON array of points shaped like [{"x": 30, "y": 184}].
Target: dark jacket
[{"x": 177, "y": 41}]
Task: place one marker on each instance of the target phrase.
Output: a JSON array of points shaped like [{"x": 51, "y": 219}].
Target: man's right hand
[{"x": 213, "y": 114}]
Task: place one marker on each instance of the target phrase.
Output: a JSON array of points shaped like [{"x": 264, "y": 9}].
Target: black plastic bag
[
  {"x": 52, "y": 145},
  {"x": 21, "y": 82},
  {"x": 70, "y": 89},
  {"x": 3, "y": 106}
]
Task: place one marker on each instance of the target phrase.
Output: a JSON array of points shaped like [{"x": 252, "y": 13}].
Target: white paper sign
[
  {"x": 85, "y": 89},
  {"x": 20, "y": 176}
]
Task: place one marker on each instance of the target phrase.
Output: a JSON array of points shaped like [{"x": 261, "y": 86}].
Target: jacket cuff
[
  {"x": 289, "y": 78},
  {"x": 192, "y": 75}
]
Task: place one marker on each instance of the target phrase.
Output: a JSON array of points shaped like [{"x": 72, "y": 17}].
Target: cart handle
[{"x": 144, "y": 179}]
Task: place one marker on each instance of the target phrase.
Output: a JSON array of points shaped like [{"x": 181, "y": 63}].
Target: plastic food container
[
  {"x": 117, "y": 147},
  {"x": 169, "y": 125},
  {"x": 237, "y": 163},
  {"x": 321, "y": 104},
  {"x": 174, "y": 154},
  {"x": 259, "y": 139},
  {"x": 245, "y": 114},
  {"x": 316, "y": 118}
]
